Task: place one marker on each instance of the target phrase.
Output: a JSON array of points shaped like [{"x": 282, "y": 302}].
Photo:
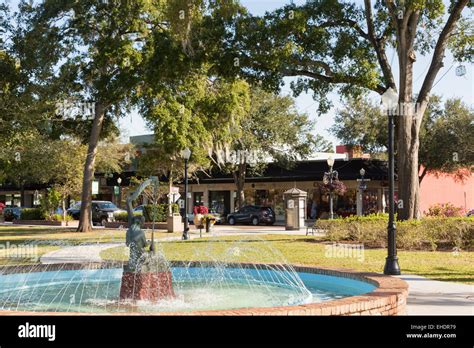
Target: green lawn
[
  {"x": 311, "y": 251},
  {"x": 437, "y": 265}
]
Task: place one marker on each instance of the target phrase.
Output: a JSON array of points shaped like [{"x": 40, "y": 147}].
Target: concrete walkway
[
  {"x": 79, "y": 254},
  {"x": 432, "y": 297},
  {"x": 224, "y": 230}
]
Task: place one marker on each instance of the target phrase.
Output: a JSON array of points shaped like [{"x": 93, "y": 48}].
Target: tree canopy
[{"x": 342, "y": 46}]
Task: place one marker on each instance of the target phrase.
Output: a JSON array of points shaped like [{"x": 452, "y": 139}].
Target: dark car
[
  {"x": 11, "y": 213},
  {"x": 252, "y": 214},
  {"x": 102, "y": 211},
  {"x": 75, "y": 211}
]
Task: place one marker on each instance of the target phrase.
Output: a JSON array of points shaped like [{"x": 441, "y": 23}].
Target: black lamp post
[
  {"x": 329, "y": 177},
  {"x": 186, "y": 153},
  {"x": 119, "y": 196},
  {"x": 389, "y": 102},
  {"x": 362, "y": 188}
]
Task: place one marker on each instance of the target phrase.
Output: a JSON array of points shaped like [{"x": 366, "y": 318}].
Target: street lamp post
[
  {"x": 328, "y": 178},
  {"x": 119, "y": 198},
  {"x": 362, "y": 188},
  {"x": 389, "y": 102},
  {"x": 186, "y": 153}
]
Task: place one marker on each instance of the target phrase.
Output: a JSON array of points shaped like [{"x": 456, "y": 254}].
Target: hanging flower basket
[{"x": 336, "y": 187}]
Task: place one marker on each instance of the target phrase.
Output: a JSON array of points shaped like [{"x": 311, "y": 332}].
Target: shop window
[
  {"x": 219, "y": 202},
  {"x": 198, "y": 199}
]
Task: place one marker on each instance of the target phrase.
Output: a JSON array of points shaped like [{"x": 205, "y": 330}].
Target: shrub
[
  {"x": 158, "y": 211},
  {"x": 50, "y": 201},
  {"x": 427, "y": 233},
  {"x": 32, "y": 214},
  {"x": 59, "y": 217},
  {"x": 445, "y": 210},
  {"x": 123, "y": 216}
]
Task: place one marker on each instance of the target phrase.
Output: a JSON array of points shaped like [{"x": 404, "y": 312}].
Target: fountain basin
[{"x": 243, "y": 289}]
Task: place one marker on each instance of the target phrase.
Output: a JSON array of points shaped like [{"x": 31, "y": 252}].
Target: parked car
[
  {"x": 75, "y": 210},
  {"x": 11, "y": 213},
  {"x": 252, "y": 214},
  {"x": 102, "y": 211},
  {"x": 139, "y": 210}
]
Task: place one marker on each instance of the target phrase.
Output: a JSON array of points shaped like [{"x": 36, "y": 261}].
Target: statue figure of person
[
  {"x": 135, "y": 237},
  {"x": 136, "y": 240}
]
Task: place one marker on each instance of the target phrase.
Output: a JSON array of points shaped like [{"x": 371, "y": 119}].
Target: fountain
[
  {"x": 219, "y": 277},
  {"x": 147, "y": 275}
]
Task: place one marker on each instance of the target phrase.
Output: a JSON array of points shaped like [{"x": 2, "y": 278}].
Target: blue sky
[{"x": 448, "y": 84}]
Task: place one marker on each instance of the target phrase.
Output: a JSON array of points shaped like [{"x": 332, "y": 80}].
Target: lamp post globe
[
  {"x": 186, "y": 154},
  {"x": 390, "y": 99},
  {"x": 330, "y": 161}
]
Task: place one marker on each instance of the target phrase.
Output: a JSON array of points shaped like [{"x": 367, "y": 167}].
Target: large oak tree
[{"x": 338, "y": 45}]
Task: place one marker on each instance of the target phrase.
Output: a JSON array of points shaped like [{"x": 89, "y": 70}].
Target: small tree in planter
[{"x": 49, "y": 203}]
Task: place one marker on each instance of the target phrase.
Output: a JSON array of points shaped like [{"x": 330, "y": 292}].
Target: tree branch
[
  {"x": 392, "y": 11},
  {"x": 438, "y": 55},
  {"x": 331, "y": 79},
  {"x": 379, "y": 47},
  {"x": 423, "y": 173},
  {"x": 346, "y": 21}
]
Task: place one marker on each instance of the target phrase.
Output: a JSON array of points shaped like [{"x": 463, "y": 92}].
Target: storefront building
[{"x": 220, "y": 195}]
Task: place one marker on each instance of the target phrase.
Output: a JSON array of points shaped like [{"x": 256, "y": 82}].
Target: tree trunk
[
  {"x": 22, "y": 195},
  {"x": 410, "y": 121},
  {"x": 85, "y": 221},
  {"x": 170, "y": 200},
  {"x": 239, "y": 180},
  {"x": 408, "y": 130}
]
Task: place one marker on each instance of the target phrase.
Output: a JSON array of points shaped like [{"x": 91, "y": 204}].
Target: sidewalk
[
  {"x": 432, "y": 297},
  {"x": 77, "y": 254},
  {"x": 228, "y": 230}
]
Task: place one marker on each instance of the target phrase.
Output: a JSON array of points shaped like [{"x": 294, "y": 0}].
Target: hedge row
[
  {"x": 32, "y": 214},
  {"x": 159, "y": 211},
  {"x": 40, "y": 214},
  {"x": 426, "y": 233}
]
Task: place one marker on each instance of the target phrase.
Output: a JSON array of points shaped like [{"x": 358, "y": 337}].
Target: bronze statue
[{"x": 142, "y": 260}]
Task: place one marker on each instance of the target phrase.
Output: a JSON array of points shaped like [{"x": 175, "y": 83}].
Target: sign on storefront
[{"x": 95, "y": 187}]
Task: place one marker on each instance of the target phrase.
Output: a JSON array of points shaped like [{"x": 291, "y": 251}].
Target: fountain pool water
[{"x": 198, "y": 286}]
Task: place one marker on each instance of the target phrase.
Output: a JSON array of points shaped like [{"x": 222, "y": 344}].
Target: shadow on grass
[
  {"x": 457, "y": 280},
  {"x": 32, "y": 232},
  {"x": 242, "y": 240}
]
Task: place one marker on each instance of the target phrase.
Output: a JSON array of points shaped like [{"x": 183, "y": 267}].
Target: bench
[{"x": 311, "y": 227}]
